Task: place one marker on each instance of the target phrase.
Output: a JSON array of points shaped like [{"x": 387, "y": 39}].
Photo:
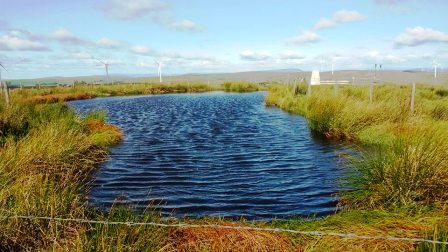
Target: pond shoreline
[
  {"x": 216, "y": 143},
  {"x": 56, "y": 196}
]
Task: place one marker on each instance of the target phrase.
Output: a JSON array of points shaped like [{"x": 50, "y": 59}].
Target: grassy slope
[
  {"x": 405, "y": 166},
  {"x": 47, "y": 153}
]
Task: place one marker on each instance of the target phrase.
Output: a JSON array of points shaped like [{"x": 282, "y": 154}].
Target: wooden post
[
  {"x": 371, "y": 91},
  {"x": 4, "y": 86},
  {"x": 413, "y": 97},
  {"x": 6, "y": 93}
]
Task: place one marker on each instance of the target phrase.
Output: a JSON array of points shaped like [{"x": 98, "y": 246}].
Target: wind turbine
[
  {"x": 435, "y": 63},
  {"x": 159, "y": 69},
  {"x": 106, "y": 66},
  {"x": 332, "y": 66},
  {"x": 5, "y": 86}
]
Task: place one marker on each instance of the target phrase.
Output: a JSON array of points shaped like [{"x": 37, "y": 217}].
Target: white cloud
[
  {"x": 379, "y": 57},
  {"x": 342, "y": 16},
  {"x": 345, "y": 16},
  {"x": 17, "y": 40},
  {"x": 419, "y": 36},
  {"x": 156, "y": 10},
  {"x": 81, "y": 55},
  {"x": 324, "y": 23},
  {"x": 304, "y": 38},
  {"x": 65, "y": 36},
  {"x": 254, "y": 56},
  {"x": 140, "y": 49},
  {"x": 190, "y": 57},
  {"x": 185, "y": 61},
  {"x": 108, "y": 43},
  {"x": 184, "y": 25},
  {"x": 291, "y": 55},
  {"x": 126, "y": 10},
  {"x": 181, "y": 59},
  {"x": 373, "y": 54}
]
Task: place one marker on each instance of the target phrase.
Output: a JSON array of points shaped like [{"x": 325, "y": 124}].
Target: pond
[{"x": 215, "y": 154}]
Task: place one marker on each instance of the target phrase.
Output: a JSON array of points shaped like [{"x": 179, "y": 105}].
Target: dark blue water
[{"x": 215, "y": 154}]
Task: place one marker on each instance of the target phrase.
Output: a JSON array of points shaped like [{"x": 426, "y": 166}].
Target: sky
[{"x": 65, "y": 38}]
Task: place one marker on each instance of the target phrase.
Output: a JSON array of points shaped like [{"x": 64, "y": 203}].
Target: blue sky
[{"x": 62, "y": 38}]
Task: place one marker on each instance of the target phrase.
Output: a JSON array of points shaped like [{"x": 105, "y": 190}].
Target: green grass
[
  {"x": 439, "y": 233},
  {"x": 85, "y": 91},
  {"x": 242, "y": 87},
  {"x": 405, "y": 158},
  {"x": 47, "y": 153}
]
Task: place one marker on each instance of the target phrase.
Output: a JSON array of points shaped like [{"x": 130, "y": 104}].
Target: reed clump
[
  {"x": 48, "y": 152},
  {"x": 86, "y": 91},
  {"x": 46, "y": 155},
  {"x": 404, "y": 159},
  {"x": 240, "y": 86}
]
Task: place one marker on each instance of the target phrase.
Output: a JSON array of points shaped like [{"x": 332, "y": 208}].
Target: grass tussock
[
  {"x": 411, "y": 170},
  {"x": 212, "y": 239},
  {"x": 405, "y": 159},
  {"x": 438, "y": 233},
  {"x": 80, "y": 92},
  {"x": 47, "y": 153},
  {"x": 239, "y": 86}
]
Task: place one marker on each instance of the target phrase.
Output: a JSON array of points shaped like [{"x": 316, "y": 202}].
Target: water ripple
[{"x": 215, "y": 154}]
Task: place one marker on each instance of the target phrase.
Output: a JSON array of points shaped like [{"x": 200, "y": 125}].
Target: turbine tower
[
  {"x": 332, "y": 67},
  {"x": 159, "y": 69},
  {"x": 435, "y": 63},
  {"x": 5, "y": 86},
  {"x": 106, "y": 66}
]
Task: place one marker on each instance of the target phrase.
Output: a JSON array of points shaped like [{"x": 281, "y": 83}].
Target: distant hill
[{"x": 280, "y": 75}]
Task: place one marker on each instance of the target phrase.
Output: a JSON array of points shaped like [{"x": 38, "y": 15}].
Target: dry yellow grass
[
  {"x": 213, "y": 239},
  {"x": 47, "y": 153}
]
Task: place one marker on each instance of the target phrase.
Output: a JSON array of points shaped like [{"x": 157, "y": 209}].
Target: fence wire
[{"x": 216, "y": 226}]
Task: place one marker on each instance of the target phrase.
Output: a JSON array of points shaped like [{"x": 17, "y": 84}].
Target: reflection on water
[{"x": 215, "y": 154}]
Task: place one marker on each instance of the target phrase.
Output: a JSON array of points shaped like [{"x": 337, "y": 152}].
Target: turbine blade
[
  {"x": 100, "y": 60},
  {"x": 3, "y": 67}
]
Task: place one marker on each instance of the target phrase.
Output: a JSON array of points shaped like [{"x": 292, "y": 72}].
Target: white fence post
[
  {"x": 371, "y": 91},
  {"x": 413, "y": 97}
]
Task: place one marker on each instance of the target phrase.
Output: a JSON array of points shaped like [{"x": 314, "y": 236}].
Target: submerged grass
[{"x": 47, "y": 153}]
